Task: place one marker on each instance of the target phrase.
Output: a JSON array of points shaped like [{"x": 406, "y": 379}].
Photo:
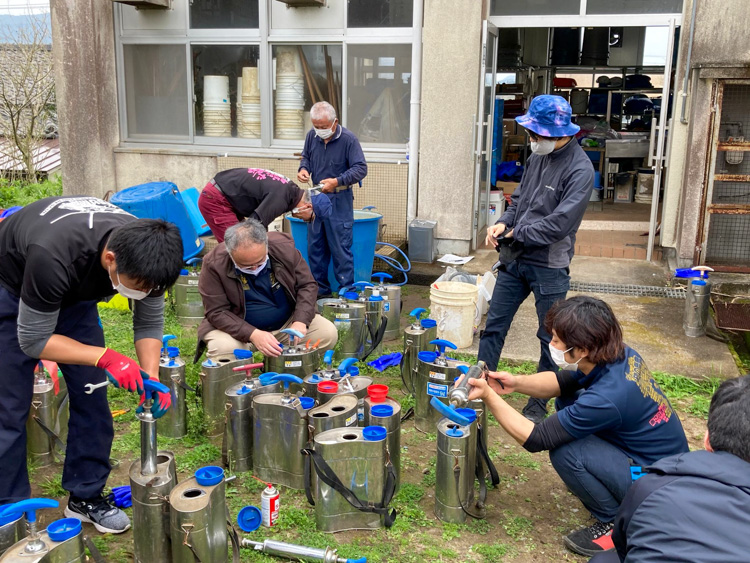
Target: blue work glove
[{"x": 160, "y": 396}]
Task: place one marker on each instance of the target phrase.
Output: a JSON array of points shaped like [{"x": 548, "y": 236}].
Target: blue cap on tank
[
  {"x": 249, "y": 518},
  {"x": 469, "y": 414},
  {"x": 428, "y": 323},
  {"x": 381, "y": 410},
  {"x": 352, "y": 295},
  {"x": 64, "y": 529},
  {"x": 374, "y": 433},
  {"x": 307, "y": 402},
  {"x": 242, "y": 354},
  {"x": 209, "y": 476},
  {"x": 184, "y": 272},
  {"x": 427, "y": 356}
]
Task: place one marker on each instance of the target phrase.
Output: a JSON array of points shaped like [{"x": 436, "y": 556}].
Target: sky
[{"x": 21, "y": 7}]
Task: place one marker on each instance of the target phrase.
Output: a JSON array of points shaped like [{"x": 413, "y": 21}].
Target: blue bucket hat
[{"x": 549, "y": 116}]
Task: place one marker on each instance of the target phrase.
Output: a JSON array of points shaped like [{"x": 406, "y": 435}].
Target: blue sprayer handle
[
  {"x": 267, "y": 378},
  {"x": 328, "y": 358},
  {"x": 380, "y": 276},
  {"x": 449, "y": 412},
  {"x": 463, "y": 369},
  {"x": 166, "y": 338},
  {"x": 28, "y": 506},
  {"x": 193, "y": 261},
  {"x": 361, "y": 285},
  {"x": 292, "y": 332},
  {"x": 152, "y": 385},
  {"x": 346, "y": 365},
  {"x": 443, "y": 344},
  {"x": 286, "y": 379},
  {"x": 417, "y": 313}
]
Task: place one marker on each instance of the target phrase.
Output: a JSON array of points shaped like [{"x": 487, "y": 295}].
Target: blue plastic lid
[
  {"x": 209, "y": 475},
  {"x": 454, "y": 432},
  {"x": 354, "y": 371},
  {"x": 244, "y": 390},
  {"x": 249, "y": 518},
  {"x": 307, "y": 402},
  {"x": 184, "y": 272},
  {"x": 173, "y": 351},
  {"x": 376, "y": 297},
  {"x": 314, "y": 378},
  {"x": 374, "y": 433},
  {"x": 381, "y": 410},
  {"x": 699, "y": 282},
  {"x": 64, "y": 529},
  {"x": 428, "y": 323},
  {"x": 352, "y": 295},
  {"x": 242, "y": 354},
  {"x": 427, "y": 356},
  {"x": 209, "y": 363},
  {"x": 8, "y": 519},
  {"x": 470, "y": 414}
]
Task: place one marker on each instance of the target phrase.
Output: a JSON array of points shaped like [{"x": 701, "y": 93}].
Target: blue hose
[{"x": 395, "y": 264}]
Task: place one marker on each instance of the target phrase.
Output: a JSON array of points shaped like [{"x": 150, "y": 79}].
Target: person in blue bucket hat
[{"x": 538, "y": 231}]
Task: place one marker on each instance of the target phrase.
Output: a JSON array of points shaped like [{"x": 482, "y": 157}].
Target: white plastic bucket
[
  {"x": 250, "y": 81},
  {"x": 453, "y": 306},
  {"x": 215, "y": 88}
]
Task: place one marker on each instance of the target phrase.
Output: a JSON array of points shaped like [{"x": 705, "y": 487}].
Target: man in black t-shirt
[
  {"x": 59, "y": 256},
  {"x": 255, "y": 193}
]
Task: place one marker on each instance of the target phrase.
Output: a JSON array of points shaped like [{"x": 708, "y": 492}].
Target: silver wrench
[{"x": 91, "y": 387}]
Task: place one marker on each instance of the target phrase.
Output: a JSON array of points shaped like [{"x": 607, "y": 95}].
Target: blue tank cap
[
  {"x": 428, "y": 323},
  {"x": 12, "y": 517},
  {"x": 352, "y": 295},
  {"x": 242, "y": 354},
  {"x": 173, "y": 351},
  {"x": 307, "y": 402},
  {"x": 698, "y": 282},
  {"x": 469, "y": 414},
  {"x": 374, "y": 433},
  {"x": 354, "y": 371},
  {"x": 381, "y": 410},
  {"x": 314, "y": 378},
  {"x": 64, "y": 529},
  {"x": 209, "y": 476},
  {"x": 249, "y": 518},
  {"x": 427, "y": 356},
  {"x": 454, "y": 432},
  {"x": 184, "y": 272},
  {"x": 209, "y": 363},
  {"x": 376, "y": 297},
  {"x": 244, "y": 390}
]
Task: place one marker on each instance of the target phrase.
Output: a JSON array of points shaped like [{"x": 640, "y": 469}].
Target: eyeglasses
[
  {"x": 534, "y": 137},
  {"x": 252, "y": 266}
]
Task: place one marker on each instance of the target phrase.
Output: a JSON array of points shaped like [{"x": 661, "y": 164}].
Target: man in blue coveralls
[{"x": 333, "y": 157}]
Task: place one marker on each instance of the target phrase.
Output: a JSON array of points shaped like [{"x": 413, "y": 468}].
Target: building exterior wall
[
  {"x": 86, "y": 90},
  {"x": 721, "y": 49},
  {"x": 450, "y": 90}
]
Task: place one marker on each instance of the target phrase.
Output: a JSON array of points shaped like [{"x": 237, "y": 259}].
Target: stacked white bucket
[
  {"x": 217, "y": 111},
  {"x": 248, "y": 104},
  {"x": 290, "y": 94}
]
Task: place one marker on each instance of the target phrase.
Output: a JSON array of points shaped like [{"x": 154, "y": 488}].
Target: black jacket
[
  {"x": 691, "y": 507},
  {"x": 548, "y": 206}
]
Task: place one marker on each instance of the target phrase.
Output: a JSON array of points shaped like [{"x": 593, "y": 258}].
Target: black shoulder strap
[
  {"x": 485, "y": 456},
  {"x": 327, "y": 475}
]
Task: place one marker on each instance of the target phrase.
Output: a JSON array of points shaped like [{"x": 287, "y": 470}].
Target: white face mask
[
  {"x": 558, "y": 356},
  {"x": 252, "y": 271},
  {"x": 324, "y": 133},
  {"x": 543, "y": 146},
  {"x": 125, "y": 291}
]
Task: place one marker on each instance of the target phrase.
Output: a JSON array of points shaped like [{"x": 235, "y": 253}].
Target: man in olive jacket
[{"x": 253, "y": 285}]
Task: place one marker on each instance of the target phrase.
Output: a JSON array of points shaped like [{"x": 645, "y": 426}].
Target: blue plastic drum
[
  {"x": 161, "y": 200},
  {"x": 364, "y": 237}
]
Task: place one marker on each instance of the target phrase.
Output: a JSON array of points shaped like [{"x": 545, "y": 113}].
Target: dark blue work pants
[
  {"x": 331, "y": 239},
  {"x": 513, "y": 285},
  {"x": 90, "y": 429}
]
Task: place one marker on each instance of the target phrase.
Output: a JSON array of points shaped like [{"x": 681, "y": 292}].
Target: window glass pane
[
  {"x": 227, "y": 97},
  {"x": 156, "y": 98},
  {"x": 379, "y": 92},
  {"x": 535, "y": 7},
  {"x": 634, "y": 7},
  {"x": 223, "y": 14},
  {"x": 655, "y": 46},
  {"x": 303, "y": 75},
  {"x": 380, "y": 13}
]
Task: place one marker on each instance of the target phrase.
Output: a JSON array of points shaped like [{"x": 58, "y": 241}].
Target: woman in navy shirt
[{"x": 611, "y": 415}]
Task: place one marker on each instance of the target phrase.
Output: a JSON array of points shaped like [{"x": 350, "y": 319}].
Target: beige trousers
[{"x": 219, "y": 342}]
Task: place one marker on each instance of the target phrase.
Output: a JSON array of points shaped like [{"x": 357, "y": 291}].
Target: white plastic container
[
  {"x": 453, "y": 306},
  {"x": 216, "y": 88}
]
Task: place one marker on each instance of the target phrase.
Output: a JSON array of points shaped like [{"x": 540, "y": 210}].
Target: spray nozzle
[
  {"x": 459, "y": 395},
  {"x": 346, "y": 365}
]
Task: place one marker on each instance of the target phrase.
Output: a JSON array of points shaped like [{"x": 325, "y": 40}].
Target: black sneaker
[
  {"x": 101, "y": 512},
  {"x": 535, "y": 410},
  {"x": 592, "y": 540}
]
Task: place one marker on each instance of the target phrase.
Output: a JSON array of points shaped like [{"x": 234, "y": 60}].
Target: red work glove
[{"x": 121, "y": 371}]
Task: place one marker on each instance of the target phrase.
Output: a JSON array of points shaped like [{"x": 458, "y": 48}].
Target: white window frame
[{"x": 265, "y": 37}]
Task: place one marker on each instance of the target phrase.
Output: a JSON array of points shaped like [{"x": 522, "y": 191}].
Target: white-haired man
[{"x": 332, "y": 157}]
